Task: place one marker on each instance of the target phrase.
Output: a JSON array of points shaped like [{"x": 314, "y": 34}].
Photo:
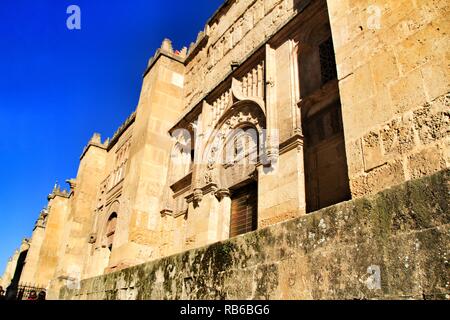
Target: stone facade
[
  {"x": 279, "y": 109},
  {"x": 392, "y": 245}
]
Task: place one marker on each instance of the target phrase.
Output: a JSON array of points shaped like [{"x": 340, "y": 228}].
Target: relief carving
[
  {"x": 249, "y": 87},
  {"x": 237, "y": 40},
  {"x": 249, "y": 116}
]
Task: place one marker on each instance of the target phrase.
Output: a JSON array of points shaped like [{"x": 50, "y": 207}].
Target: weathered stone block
[
  {"x": 426, "y": 162},
  {"x": 432, "y": 122},
  {"x": 408, "y": 92},
  {"x": 386, "y": 175},
  {"x": 436, "y": 77},
  {"x": 422, "y": 47},
  {"x": 398, "y": 136},
  {"x": 372, "y": 153}
]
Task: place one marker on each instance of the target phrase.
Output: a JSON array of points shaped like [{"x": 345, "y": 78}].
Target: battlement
[
  {"x": 42, "y": 219},
  {"x": 96, "y": 140},
  {"x": 58, "y": 192},
  {"x": 185, "y": 55},
  {"x": 127, "y": 123},
  {"x": 167, "y": 50}
]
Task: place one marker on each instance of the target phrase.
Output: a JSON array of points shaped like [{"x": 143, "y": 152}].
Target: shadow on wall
[{"x": 13, "y": 288}]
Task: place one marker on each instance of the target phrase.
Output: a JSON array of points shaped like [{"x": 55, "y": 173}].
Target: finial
[
  {"x": 55, "y": 187},
  {"x": 96, "y": 138},
  {"x": 167, "y": 45}
]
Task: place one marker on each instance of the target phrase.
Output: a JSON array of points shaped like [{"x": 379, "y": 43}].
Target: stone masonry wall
[
  {"x": 237, "y": 31},
  {"x": 392, "y": 63},
  {"x": 393, "y": 69},
  {"x": 394, "y": 244}
]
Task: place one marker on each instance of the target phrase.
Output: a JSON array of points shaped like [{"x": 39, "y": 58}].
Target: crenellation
[
  {"x": 95, "y": 141},
  {"x": 128, "y": 122}
]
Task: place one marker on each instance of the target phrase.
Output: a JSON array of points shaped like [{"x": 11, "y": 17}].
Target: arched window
[
  {"x": 111, "y": 230},
  {"x": 242, "y": 147}
]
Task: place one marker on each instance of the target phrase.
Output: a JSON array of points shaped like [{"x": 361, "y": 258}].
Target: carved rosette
[{"x": 92, "y": 238}]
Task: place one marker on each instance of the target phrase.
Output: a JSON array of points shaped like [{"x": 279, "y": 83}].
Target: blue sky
[{"x": 58, "y": 86}]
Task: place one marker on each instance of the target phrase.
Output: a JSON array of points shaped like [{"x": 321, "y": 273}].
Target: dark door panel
[{"x": 244, "y": 209}]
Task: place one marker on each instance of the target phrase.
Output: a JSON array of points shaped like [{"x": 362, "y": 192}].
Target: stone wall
[
  {"x": 58, "y": 211},
  {"x": 394, "y": 244},
  {"x": 9, "y": 270},
  {"x": 140, "y": 235},
  {"x": 238, "y": 28},
  {"x": 32, "y": 260},
  {"x": 392, "y": 62}
]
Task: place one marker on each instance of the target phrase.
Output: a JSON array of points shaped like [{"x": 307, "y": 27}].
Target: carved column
[
  {"x": 199, "y": 130},
  {"x": 298, "y": 137},
  {"x": 295, "y": 87},
  {"x": 224, "y": 197},
  {"x": 271, "y": 107}
]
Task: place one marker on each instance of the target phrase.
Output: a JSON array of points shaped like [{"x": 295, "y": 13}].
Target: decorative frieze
[
  {"x": 252, "y": 84},
  {"x": 122, "y": 156},
  {"x": 238, "y": 30},
  {"x": 220, "y": 105},
  {"x": 234, "y": 36}
]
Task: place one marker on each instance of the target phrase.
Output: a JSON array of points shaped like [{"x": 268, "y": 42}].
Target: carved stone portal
[{"x": 237, "y": 141}]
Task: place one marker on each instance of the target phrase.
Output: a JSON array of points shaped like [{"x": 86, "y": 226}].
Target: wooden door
[{"x": 244, "y": 210}]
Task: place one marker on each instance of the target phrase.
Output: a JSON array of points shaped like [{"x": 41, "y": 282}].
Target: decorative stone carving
[
  {"x": 252, "y": 84},
  {"x": 72, "y": 184},
  {"x": 244, "y": 114},
  {"x": 210, "y": 188},
  {"x": 249, "y": 87},
  {"x": 222, "y": 193},
  {"x": 92, "y": 238},
  {"x": 237, "y": 120},
  {"x": 198, "y": 196},
  {"x": 211, "y": 161},
  {"x": 42, "y": 220},
  {"x": 220, "y": 105},
  {"x": 166, "y": 212}
]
